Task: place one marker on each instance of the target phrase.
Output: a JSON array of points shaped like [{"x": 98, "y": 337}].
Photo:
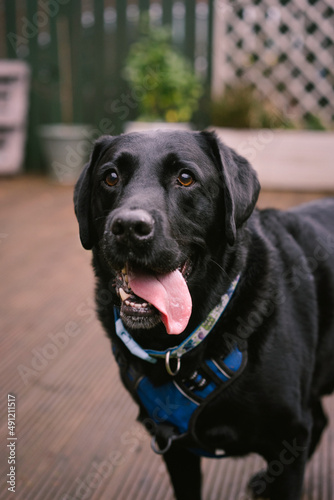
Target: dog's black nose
[{"x": 133, "y": 226}]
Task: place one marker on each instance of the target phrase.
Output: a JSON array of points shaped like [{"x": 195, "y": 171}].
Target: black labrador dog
[{"x": 221, "y": 316}]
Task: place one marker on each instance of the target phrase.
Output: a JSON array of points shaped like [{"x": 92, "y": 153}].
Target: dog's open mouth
[{"x": 149, "y": 297}]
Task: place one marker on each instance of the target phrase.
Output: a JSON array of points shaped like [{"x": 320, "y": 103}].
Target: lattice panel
[{"x": 284, "y": 47}]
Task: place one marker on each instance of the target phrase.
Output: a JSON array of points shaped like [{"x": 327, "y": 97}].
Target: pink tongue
[{"x": 168, "y": 293}]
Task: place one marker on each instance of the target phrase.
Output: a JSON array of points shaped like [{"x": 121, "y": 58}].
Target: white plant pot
[
  {"x": 67, "y": 149},
  {"x": 138, "y": 126}
]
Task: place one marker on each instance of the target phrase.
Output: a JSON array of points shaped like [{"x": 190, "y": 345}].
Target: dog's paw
[{"x": 259, "y": 487}]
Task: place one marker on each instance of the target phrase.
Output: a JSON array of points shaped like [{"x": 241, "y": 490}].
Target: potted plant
[{"x": 162, "y": 82}]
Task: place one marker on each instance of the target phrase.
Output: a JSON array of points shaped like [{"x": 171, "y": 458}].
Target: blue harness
[{"x": 173, "y": 408}]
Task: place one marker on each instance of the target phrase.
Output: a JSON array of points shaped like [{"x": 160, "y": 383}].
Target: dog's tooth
[
  {"x": 144, "y": 304},
  {"x": 123, "y": 294},
  {"x": 125, "y": 269},
  {"x": 127, "y": 302}
]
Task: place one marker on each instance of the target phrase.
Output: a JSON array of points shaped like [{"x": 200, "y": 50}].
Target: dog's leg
[
  {"x": 287, "y": 486},
  {"x": 284, "y": 476},
  {"x": 258, "y": 485},
  {"x": 184, "y": 469}
]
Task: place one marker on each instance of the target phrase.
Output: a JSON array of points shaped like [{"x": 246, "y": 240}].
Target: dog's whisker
[
  {"x": 101, "y": 217},
  {"x": 220, "y": 267}
]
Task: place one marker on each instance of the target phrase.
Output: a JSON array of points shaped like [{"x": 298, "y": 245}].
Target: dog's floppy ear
[
  {"x": 82, "y": 194},
  {"x": 239, "y": 183}
]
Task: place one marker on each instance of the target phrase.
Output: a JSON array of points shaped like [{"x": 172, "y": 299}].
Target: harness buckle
[{"x": 168, "y": 367}]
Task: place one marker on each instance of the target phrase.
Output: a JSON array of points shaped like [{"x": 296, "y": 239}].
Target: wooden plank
[
  {"x": 77, "y": 59},
  {"x": 10, "y": 28},
  {"x": 167, "y": 12},
  {"x": 54, "y": 102},
  {"x": 112, "y": 88},
  {"x": 33, "y": 160},
  {"x": 121, "y": 53},
  {"x": 211, "y": 7},
  {"x": 99, "y": 58},
  {"x": 121, "y": 30},
  {"x": 65, "y": 69},
  {"x": 144, "y": 5},
  {"x": 190, "y": 24},
  {"x": 3, "y": 39}
]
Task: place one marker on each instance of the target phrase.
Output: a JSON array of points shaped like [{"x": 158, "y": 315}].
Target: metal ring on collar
[
  {"x": 169, "y": 441},
  {"x": 155, "y": 447},
  {"x": 167, "y": 364}
]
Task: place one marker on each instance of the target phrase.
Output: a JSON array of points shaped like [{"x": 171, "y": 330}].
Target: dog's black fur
[{"x": 283, "y": 305}]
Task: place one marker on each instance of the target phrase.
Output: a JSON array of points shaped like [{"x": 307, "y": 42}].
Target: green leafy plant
[
  {"x": 241, "y": 107},
  {"x": 313, "y": 122},
  {"x": 168, "y": 87}
]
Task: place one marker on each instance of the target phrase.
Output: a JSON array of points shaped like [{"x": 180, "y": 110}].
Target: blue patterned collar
[{"x": 192, "y": 341}]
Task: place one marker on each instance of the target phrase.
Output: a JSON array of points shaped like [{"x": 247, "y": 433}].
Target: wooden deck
[{"x": 76, "y": 432}]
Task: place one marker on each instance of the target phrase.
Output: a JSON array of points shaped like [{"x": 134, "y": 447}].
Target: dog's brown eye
[
  {"x": 111, "y": 178},
  {"x": 185, "y": 178}
]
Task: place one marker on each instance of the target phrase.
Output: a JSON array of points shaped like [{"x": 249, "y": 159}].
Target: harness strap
[{"x": 172, "y": 409}]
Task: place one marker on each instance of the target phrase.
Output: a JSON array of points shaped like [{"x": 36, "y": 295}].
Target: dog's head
[{"x": 158, "y": 208}]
